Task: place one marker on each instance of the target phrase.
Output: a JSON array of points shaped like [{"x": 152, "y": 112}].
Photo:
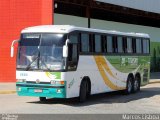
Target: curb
[
  {"x": 153, "y": 82},
  {"x": 7, "y": 91}
]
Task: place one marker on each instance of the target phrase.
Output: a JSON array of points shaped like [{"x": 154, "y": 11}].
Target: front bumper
[{"x": 41, "y": 90}]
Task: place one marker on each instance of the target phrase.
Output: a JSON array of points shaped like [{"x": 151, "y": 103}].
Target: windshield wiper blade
[{"x": 29, "y": 66}]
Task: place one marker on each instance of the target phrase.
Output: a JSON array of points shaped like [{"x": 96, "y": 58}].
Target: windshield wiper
[
  {"x": 29, "y": 66},
  {"x": 38, "y": 57}
]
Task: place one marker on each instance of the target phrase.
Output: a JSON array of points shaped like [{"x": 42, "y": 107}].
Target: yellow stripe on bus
[
  {"x": 105, "y": 65},
  {"x": 100, "y": 61}
]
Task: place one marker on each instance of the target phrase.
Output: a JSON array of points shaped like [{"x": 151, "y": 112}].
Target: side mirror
[
  {"x": 12, "y": 51},
  {"x": 12, "y": 47},
  {"x": 65, "y": 51}
]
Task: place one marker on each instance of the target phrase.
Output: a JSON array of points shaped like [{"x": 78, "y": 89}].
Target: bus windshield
[{"x": 41, "y": 52}]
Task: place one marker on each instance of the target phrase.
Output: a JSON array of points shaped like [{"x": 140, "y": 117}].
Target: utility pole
[{"x": 88, "y": 12}]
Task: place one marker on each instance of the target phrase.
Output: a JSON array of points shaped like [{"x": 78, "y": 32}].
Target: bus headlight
[
  {"x": 57, "y": 82},
  {"x": 21, "y": 80}
]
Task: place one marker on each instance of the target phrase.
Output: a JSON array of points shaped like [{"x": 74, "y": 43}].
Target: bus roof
[{"x": 70, "y": 28}]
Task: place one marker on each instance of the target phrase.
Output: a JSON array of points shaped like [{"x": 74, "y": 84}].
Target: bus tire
[
  {"x": 129, "y": 86},
  {"x": 42, "y": 99},
  {"x": 136, "y": 87},
  {"x": 83, "y": 91}
]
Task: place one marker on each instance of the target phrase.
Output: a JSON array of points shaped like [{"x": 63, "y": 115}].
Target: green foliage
[{"x": 155, "y": 56}]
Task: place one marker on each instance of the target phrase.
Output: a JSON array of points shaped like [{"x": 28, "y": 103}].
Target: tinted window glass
[
  {"x": 129, "y": 45},
  {"x": 120, "y": 47},
  {"x": 138, "y": 45},
  {"x": 73, "y": 38},
  {"x": 145, "y": 46},
  {"x": 109, "y": 44},
  {"x": 85, "y": 42},
  {"x": 97, "y": 43}
]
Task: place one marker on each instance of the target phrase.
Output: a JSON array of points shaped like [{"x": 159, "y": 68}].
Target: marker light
[{"x": 62, "y": 82}]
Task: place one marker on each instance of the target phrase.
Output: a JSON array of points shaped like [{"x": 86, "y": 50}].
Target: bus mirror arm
[
  {"x": 67, "y": 41},
  {"x": 12, "y": 47},
  {"x": 65, "y": 49}
]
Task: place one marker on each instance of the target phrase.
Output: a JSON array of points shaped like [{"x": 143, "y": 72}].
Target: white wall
[
  {"x": 60, "y": 19},
  {"x": 108, "y": 25},
  {"x": 123, "y": 27}
]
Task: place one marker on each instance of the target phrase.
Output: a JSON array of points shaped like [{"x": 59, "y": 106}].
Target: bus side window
[
  {"x": 145, "y": 46},
  {"x": 148, "y": 46},
  {"x": 73, "y": 52},
  {"x": 109, "y": 44},
  {"x": 72, "y": 56},
  {"x": 84, "y": 42},
  {"x": 97, "y": 41},
  {"x": 120, "y": 44},
  {"x": 138, "y": 46},
  {"x": 129, "y": 45}
]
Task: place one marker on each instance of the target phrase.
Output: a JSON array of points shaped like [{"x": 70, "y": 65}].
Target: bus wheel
[
  {"x": 42, "y": 99},
  {"x": 129, "y": 85},
  {"x": 83, "y": 91},
  {"x": 136, "y": 87}
]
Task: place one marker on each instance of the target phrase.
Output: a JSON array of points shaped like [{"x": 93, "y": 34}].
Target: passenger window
[
  {"x": 97, "y": 43},
  {"x": 72, "y": 56},
  {"x": 129, "y": 45},
  {"x": 145, "y": 46},
  {"x": 120, "y": 44},
  {"x": 138, "y": 46},
  {"x": 109, "y": 44},
  {"x": 85, "y": 42}
]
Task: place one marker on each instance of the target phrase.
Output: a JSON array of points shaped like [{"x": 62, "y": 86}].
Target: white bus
[{"x": 63, "y": 61}]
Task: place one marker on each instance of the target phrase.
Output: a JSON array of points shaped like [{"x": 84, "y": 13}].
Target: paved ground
[{"x": 146, "y": 101}]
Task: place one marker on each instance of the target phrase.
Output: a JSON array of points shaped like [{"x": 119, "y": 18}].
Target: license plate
[{"x": 37, "y": 90}]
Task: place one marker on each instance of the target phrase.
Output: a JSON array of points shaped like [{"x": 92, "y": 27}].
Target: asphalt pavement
[{"x": 144, "y": 102}]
